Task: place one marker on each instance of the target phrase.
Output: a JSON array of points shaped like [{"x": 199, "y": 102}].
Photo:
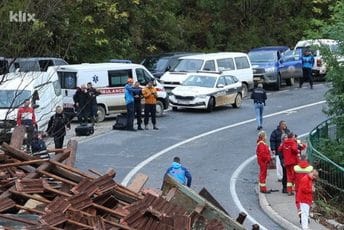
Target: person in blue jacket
[
  {"x": 179, "y": 173},
  {"x": 129, "y": 91},
  {"x": 307, "y": 65}
]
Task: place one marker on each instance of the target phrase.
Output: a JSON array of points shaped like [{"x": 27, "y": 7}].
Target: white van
[
  {"x": 110, "y": 79},
  {"x": 42, "y": 88},
  {"x": 233, "y": 63},
  {"x": 319, "y": 68}
]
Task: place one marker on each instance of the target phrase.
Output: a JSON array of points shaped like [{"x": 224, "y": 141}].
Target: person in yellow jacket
[{"x": 150, "y": 95}]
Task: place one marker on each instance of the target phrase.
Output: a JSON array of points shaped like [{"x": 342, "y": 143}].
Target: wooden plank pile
[{"x": 52, "y": 194}]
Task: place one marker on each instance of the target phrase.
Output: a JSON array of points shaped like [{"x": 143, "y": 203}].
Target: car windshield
[
  {"x": 156, "y": 64},
  {"x": 201, "y": 81},
  {"x": 188, "y": 65},
  {"x": 13, "y": 98},
  {"x": 263, "y": 56}
]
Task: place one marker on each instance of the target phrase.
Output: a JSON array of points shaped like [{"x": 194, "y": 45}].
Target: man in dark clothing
[
  {"x": 259, "y": 96},
  {"x": 81, "y": 102},
  {"x": 57, "y": 127},
  {"x": 307, "y": 65},
  {"x": 93, "y": 107},
  {"x": 137, "y": 104},
  {"x": 275, "y": 141},
  {"x": 179, "y": 173}
]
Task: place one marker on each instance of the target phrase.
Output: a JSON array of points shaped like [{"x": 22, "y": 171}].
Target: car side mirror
[
  {"x": 168, "y": 68},
  {"x": 220, "y": 85}
]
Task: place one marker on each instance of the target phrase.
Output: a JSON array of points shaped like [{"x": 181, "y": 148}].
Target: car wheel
[
  {"x": 101, "y": 113},
  {"x": 244, "y": 90},
  {"x": 290, "y": 81},
  {"x": 211, "y": 104},
  {"x": 237, "y": 102},
  {"x": 159, "y": 108},
  {"x": 174, "y": 108},
  {"x": 277, "y": 85}
]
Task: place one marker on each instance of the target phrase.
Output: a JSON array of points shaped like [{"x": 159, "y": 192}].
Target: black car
[{"x": 159, "y": 64}]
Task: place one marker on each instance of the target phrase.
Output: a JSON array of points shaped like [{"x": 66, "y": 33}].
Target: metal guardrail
[{"x": 330, "y": 172}]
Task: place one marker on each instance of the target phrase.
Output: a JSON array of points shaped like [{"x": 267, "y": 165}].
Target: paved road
[{"x": 211, "y": 158}]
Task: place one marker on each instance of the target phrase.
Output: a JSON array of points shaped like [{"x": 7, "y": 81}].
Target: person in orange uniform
[
  {"x": 263, "y": 158},
  {"x": 150, "y": 95},
  {"x": 301, "y": 169},
  {"x": 289, "y": 149}
]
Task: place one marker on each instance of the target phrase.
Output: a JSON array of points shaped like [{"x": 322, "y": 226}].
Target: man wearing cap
[
  {"x": 259, "y": 97},
  {"x": 129, "y": 102}
]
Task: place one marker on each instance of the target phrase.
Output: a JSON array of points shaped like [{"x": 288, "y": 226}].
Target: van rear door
[{"x": 68, "y": 82}]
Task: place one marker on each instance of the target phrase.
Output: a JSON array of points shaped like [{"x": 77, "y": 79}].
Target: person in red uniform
[
  {"x": 263, "y": 158},
  {"x": 289, "y": 149},
  {"x": 301, "y": 169},
  {"x": 26, "y": 117},
  {"x": 305, "y": 196}
]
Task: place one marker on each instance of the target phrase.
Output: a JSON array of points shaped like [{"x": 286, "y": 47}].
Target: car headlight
[
  {"x": 270, "y": 69},
  {"x": 201, "y": 96}
]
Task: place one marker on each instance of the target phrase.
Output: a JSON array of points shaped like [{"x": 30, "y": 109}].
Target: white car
[{"x": 207, "y": 91}]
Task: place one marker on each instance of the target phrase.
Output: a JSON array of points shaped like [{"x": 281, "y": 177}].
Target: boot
[
  {"x": 156, "y": 128},
  {"x": 139, "y": 127}
]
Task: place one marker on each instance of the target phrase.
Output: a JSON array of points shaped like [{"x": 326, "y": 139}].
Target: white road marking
[
  {"x": 162, "y": 152},
  {"x": 232, "y": 187}
]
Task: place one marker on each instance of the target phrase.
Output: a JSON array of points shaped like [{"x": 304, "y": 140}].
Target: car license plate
[
  {"x": 256, "y": 78},
  {"x": 183, "y": 102}
]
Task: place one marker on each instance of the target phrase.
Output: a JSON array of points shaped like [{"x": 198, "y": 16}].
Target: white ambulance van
[
  {"x": 42, "y": 88},
  {"x": 109, "y": 79},
  {"x": 233, "y": 63}
]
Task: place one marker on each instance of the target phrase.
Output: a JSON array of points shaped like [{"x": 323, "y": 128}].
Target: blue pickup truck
[{"x": 274, "y": 64}]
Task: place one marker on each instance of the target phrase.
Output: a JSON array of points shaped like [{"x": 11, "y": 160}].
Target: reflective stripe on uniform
[
  {"x": 290, "y": 184},
  {"x": 262, "y": 184},
  {"x": 298, "y": 169}
]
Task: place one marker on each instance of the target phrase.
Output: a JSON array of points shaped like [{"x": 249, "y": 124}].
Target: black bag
[
  {"x": 121, "y": 122},
  {"x": 84, "y": 129}
]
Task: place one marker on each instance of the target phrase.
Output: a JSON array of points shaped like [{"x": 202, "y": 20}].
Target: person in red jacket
[
  {"x": 301, "y": 169},
  {"x": 26, "y": 117},
  {"x": 263, "y": 158},
  {"x": 290, "y": 151},
  {"x": 305, "y": 196}
]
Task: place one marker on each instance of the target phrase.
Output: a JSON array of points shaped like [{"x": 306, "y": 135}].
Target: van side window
[
  {"x": 57, "y": 88},
  {"x": 67, "y": 79},
  {"x": 44, "y": 64},
  {"x": 225, "y": 64},
  {"x": 242, "y": 63},
  {"x": 209, "y": 66},
  {"x": 60, "y": 62},
  {"x": 118, "y": 78},
  {"x": 221, "y": 81},
  {"x": 143, "y": 76}
]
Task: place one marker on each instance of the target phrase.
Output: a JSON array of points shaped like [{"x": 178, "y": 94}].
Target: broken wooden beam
[{"x": 138, "y": 182}]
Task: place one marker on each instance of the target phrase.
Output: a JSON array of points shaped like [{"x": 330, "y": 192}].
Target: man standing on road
[
  {"x": 137, "y": 105},
  {"x": 81, "y": 103},
  {"x": 129, "y": 102},
  {"x": 275, "y": 141},
  {"x": 26, "y": 117},
  {"x": 179, "y": 173},
  {"x": 263, "y": 158},
  {"x": 93, "y": 107},
  {"x": 150, "y": 95},
  {"x": 305, "y": 196},
  {"x": 307, "y": 65},
  {"x": 259, "y": 96}
]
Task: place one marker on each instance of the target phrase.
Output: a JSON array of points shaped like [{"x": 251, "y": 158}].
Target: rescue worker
[
  {"x": 150, "y": 95},
  {"x": 26, "y": 117},
  {"x": 275, "y": 141},
  {"x": 81, "y": 103},
  {"x": 263, "y": 158},
  {"x": 137, "y": 105},
  {"x": 179, "y": 173},
  {"x": 307, "y": 65},
  {"x": 57, "y": 127},
  {"x": 301, "y": 169},
  {"x": 289, "y": 149},
  {"x": 259, "y": 97},
  {"x": 129, "y": 102},
  {"x": 305, "y": 196}
]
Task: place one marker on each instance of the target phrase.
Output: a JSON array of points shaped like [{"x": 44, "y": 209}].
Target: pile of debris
[{"x": 52, "y": 194}]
